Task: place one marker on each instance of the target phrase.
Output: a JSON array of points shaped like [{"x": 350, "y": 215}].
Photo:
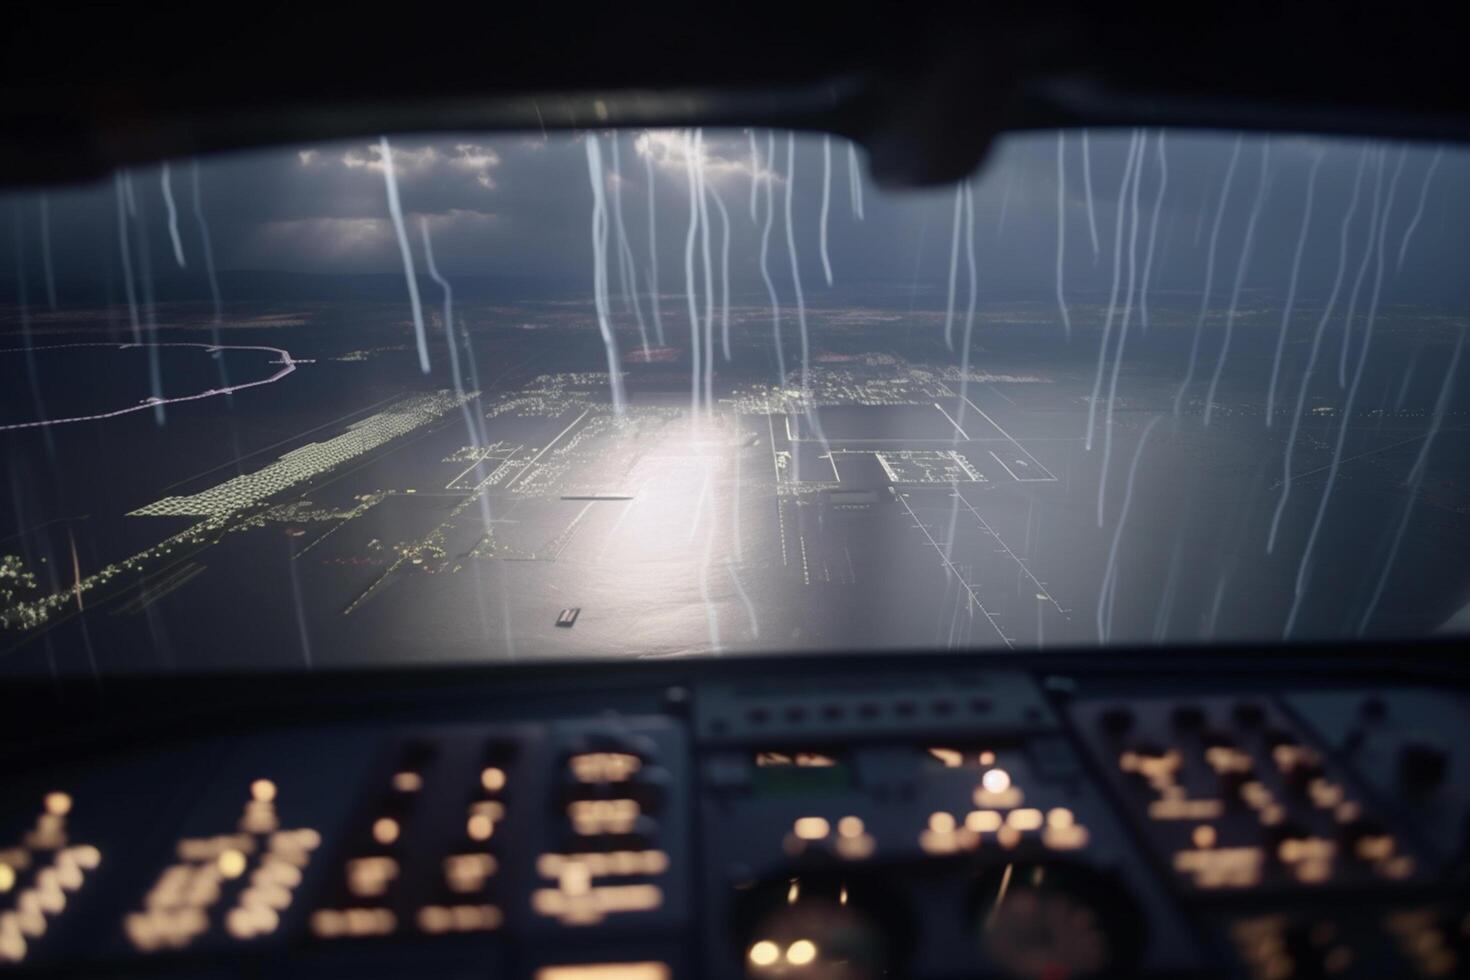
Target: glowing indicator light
[
  {"x": 606, "y": 971},
  {"x": 576, "y": 878},
  {"x": 483, "y": 815},
  {"x": 370, "y": 876},
  {"x": 604, "y": 767},
  {"x": 950, "y": 758},
  {"x": 385, "y": 830},
  {"x": 1023, "y": 820},
  {"x": 593, "y": 817},
  {"x": 467, "y": 872},
  {"x": 597, "y": 904},
  {"x": 983, "y": 821},
  {"x": 231, "y": 863},
  {"x": 493, "y": 779},
  {"x": 765, "y": 953},
  {"x": 996, "y": 780},
  {"x": 263, "y": 791},
  {"x": 331, "y": 923},
  {"x": 436, "y": 919},
  {"x": 605, "y": 863},
  {"x": 247, "y": 923},
  {"x": 812, "y": 828},
  {"x": 58, "y": 804},
  {"x": 801, "y": 953}
]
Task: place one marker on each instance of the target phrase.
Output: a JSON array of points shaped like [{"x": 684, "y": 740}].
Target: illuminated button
[
  {"x": 606, "y": 971},
  {"x": 407, "y": 781},
  {"x": 984, "y": 821},
  {"x": 369, "y": 877},
  {"x": 459, "y": 918},
  {"x": 811, "y": 828},
  {"x": 435, "y": 919},
  {"x": 465, "y": 873},
  {"x": 1024, "y": 820},
  {"x": 605, "y": 864},
  {"x": 592, "y": 817},
  {"x": 231, "y": 863},
  {"x": 576, "y": 878},
  {"x": 1299, "y": 764},
  {"x": 1325, "y": 795},
  {"x": 599, "y": 902},
  {"x": 1059, "y": 818},
  {"x": 483, "y": 816},
  {"x": 949, "y": 758},
  {"x": 332, "y": 923}
]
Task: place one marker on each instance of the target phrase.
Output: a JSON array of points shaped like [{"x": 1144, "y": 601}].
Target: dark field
[{"x": 378, "y": 516}]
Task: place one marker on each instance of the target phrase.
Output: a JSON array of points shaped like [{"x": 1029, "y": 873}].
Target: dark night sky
[{"x": 520, "y": 205}]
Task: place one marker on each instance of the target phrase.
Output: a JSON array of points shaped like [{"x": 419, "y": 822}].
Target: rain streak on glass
[{"x": 471, "y": 397}]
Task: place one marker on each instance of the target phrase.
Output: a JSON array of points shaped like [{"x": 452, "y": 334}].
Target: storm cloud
[{"x": 518, "y": 205}]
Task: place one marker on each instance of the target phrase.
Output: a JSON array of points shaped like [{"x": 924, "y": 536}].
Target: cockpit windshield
[{"x": 483, "y": 398}]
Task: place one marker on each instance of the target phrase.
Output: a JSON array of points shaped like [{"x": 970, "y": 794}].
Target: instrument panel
[{"x": 743, "y": 819}]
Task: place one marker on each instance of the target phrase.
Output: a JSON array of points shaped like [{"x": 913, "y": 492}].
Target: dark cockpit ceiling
[{"x": 924, "y": 88}]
